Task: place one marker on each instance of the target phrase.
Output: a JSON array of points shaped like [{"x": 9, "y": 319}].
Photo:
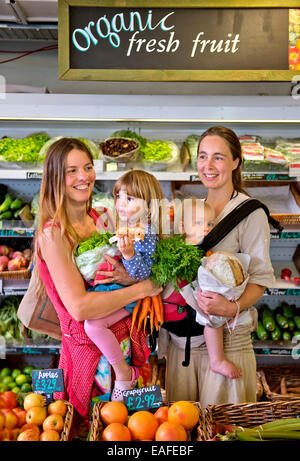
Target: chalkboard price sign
[
  {"x": 48, "y": 381},
  {"x": 143, "y": 398}
]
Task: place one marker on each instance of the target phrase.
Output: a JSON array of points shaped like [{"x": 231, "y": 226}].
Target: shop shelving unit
[{"x": 171, "y": 117}]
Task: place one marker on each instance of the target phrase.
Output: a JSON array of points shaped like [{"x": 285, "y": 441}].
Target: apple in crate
[
  {"x": 4, "y": 250},
  {"x": 14, "y": 265},
  {"x": 4, "y": 260},
  {"x": 23, "y": 261}
]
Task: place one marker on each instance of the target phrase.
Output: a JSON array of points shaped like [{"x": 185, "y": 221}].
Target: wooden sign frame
[{"x": 67, "y": 73}]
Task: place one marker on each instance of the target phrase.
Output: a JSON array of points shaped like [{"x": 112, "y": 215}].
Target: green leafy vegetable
[
  {"x": 175, "y": 260},
  {"x": 23, "y": 149},
  {"x": 10, "y": 325},
  {"x": 156, "y": 151},
  {"x": 96, "y": 240}
]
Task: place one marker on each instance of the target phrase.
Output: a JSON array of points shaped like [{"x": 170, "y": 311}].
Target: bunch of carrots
[{"x": 149, "y": 306}]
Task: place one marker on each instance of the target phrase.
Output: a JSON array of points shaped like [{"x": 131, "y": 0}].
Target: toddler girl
[{"x": 137, "y": 196}]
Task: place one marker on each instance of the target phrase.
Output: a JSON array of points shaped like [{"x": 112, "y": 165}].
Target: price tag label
[
  {"x": 112, "y": 166},
  {"x": 34, "y": 174},
  {"x": 143, "y": 398},
  {"x": 294, "y": 169},
  {"x": 48, "y": 381}
]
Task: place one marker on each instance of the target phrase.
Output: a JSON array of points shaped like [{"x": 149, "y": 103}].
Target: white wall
[{"x": 41, "y": 70}]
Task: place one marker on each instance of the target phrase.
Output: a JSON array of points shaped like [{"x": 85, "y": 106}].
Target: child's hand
[
  {"x": 214, "y": 304},
  {"x": 126, "y": 246}
]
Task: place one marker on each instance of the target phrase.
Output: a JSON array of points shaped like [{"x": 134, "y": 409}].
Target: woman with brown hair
[
  {"x": 219, "y": 168},
  {"x": 65, "y": 219}
]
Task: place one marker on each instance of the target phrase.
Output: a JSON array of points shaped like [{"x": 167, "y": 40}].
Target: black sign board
[
  {"x": 126, "y": 41},
  {"x": 143, "y": 398},
  {"x": 48, "y": 381}
]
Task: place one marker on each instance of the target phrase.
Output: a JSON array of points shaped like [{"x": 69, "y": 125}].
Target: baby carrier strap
[{"x": 233, "y": 218}]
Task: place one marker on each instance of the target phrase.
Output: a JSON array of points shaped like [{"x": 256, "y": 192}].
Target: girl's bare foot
[{"x": 226, "y": 368}]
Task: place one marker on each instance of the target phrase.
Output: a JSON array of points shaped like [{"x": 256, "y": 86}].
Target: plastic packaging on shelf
[{"x": 160, "y": 155}]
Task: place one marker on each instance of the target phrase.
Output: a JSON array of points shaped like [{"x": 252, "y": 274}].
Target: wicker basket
[
  {"x": 68, "y": 419},
  {"x": 249, "y": 414},
  {"x": 20, "y": 274},
  {"x": 259, "y": 387},
  {"x": 271, "y": 377},
  {"x": 97, "y": 426}
]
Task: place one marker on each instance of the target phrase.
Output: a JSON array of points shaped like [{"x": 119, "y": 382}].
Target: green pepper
[
  {"x": 16, "y": 204},
  {"x": 6, "y": 215},
  {"x": 6, "y": 204}
]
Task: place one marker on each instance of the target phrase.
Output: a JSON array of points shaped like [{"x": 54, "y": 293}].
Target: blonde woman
[{"x": 65, "y": 219}]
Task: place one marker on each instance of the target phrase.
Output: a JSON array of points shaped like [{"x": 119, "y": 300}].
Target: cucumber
[
  {"x": 6, "y": 204},
  {"x": 6, "y": 215},
  {"x": 287, "y": 310},
  {"x": 16, "y": 204},
  {"x": 296, "y": 333},
  {"x": 261, "y": 333},
  {"x": 282, "y": 321},
  {"x": 268, "y": 320},
  {"x": 292, "y": 325},
  {"x": 286, "y": 336},
  {"x": 276, "y": 333},
  {"x": 297, "y": 321}
]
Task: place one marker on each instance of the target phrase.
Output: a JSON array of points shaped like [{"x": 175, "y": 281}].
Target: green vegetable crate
[
  {"x": 281, "y": 382},
  {"x": 248, "y": 415}
]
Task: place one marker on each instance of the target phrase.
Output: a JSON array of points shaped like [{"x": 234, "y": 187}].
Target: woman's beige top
[{"x": 250, "y": 236}]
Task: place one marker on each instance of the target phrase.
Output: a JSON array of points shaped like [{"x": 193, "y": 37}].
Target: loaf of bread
[{"x": 226, "y": 267}]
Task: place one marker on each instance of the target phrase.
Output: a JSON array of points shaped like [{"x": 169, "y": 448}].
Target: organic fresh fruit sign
[{"x": 216, "y": 41}]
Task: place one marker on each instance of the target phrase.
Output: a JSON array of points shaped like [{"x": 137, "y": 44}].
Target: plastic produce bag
[
  {"x": 191, "y": 143},
  {"x": 159, "y": 155},
  {"x": 89, "y": 261},
  {"x": 90, "y": 144},
  {"x": 90, "y": 253},
  {"x": 102, "y": 200}
]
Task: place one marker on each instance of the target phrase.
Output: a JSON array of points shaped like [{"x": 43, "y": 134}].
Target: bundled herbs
[{"x": 175, "y": 260}]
